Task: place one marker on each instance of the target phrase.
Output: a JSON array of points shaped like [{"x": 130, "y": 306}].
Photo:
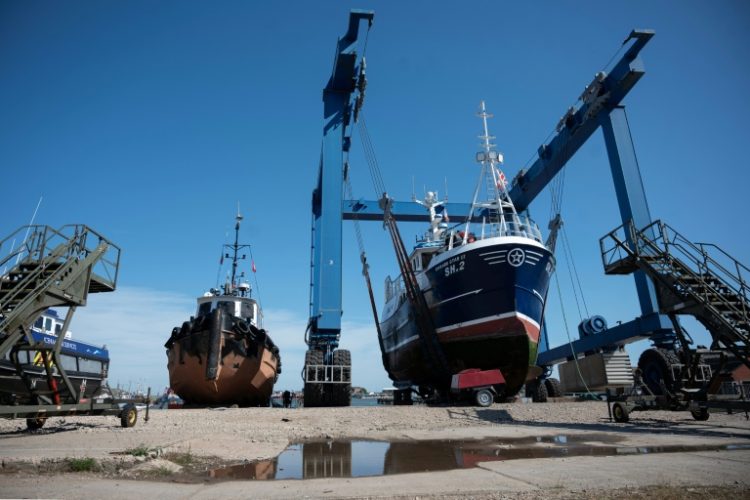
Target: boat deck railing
[{"x": 507, "y": 224}]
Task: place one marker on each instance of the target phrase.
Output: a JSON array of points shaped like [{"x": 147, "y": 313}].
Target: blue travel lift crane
[
  {"x": 327, "y": 370},
  {"x": 702, "y": 280}
]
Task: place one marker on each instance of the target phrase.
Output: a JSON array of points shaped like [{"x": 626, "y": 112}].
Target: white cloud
[{"x": 135, "y": 322}]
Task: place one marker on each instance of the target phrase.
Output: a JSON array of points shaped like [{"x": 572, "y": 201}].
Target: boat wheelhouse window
[
  {"x": 204, "y": 309},
  {"x": 227, "y": 306},
  {"x": 68, "y": 362},
  {"x": 426, "y": 258},
  {"x": 246, "y": 310},
  {"x": 48, "y": 324},
  {"x": 89, "y": 365},
  {"x": 39, "y": 323},
  {"x": 58, "y": 327}
]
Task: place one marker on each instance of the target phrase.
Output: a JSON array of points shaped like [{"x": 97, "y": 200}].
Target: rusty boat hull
[{"x": 221, "y": 359}]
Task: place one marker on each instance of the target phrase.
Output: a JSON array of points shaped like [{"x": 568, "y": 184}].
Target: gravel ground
[
  {"x": 212, "y": 437},
  {"x": 257, "y": 433}
]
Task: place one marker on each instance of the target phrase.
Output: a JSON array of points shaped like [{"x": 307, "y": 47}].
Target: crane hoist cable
[
  {"x": 557, "y": 188},
  {"x": 574, "y": 274},
  {"x": 556, "y": 192},
  {"x": 570, "y": 341},
  {"x": 434, "y": 354},
  {"x": 366, "y": 274}
]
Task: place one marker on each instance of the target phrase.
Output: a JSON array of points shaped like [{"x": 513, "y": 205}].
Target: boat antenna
[{"x": 28, "y": 229}]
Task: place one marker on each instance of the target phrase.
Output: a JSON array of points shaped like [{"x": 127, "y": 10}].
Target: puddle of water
[{"x": 357, "y": 458}]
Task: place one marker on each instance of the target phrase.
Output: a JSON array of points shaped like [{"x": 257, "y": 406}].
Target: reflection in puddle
[{"x": 356, "y": 458}]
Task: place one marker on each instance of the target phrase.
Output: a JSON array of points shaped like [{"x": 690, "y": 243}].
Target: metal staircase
[
  {"x": 698, "y": 279},
  {"x": 50, "y": 268}
]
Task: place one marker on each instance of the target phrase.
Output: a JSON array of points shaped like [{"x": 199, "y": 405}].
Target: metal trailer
[
  {"x": 699, "y": 401},
  {"x": 36, "y": 415},
  {"x": 480, "y": 385},
  {"x": 53, "y": 268}
]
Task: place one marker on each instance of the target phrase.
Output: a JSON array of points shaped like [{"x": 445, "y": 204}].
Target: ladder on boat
[
  {"x": 697, "y": 279},
  {"x": 50, "y": 268}
]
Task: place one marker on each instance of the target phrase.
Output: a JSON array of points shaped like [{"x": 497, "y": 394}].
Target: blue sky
[{"x": 149, "y": 121}]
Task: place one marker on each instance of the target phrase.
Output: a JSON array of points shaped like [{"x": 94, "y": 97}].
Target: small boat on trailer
[
  {"x": 42, "y": 372},
  {"x": 86, "y": 365},
  {"x": 222, "y": 355}
]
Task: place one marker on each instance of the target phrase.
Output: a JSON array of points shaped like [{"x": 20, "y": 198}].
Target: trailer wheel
[
  {"x": 700, "y": 414},
  {"x": 35, "y": 423},
  {"x": 129, "y": 416},
  {"x": 620, "y": 412},
  {"x": 484, "y": 398}
]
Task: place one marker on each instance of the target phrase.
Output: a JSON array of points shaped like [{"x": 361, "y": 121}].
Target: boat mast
[
  {"x": 497, "y": 201},
  {"x": 236, "y": 247},
  {"x": 232, "y": 287}
]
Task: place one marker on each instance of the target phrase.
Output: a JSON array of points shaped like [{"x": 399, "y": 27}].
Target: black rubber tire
[
  {"x": 314, "y": 357},
  {"x": 484, "y": 398},
  {"x": 701, "y": 414},
  {"x": 129, "y": 416},
  {"x": 537, "y": 391},
  {"x": 620, "y": 412},
  {"x": 344, "y": 357},
  {"x": 554, "y": 387},
  {"x": 36, "y": 423},
  {"x": 425, "y": 392},
  {"x": 655, "y": 365},
  {"x": 343, "y": 392},
  {"x": 313, "y": 395}
]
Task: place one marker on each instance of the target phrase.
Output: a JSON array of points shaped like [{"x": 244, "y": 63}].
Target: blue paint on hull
[{"x": 486, "y": 302}]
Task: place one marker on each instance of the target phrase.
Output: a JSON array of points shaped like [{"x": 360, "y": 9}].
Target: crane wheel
[
  {"x": 554, "y": 388},
  {"x": 656, "y": 367},
  {"x": 343, "y": 391},
  {"x": 537, "y": 391}
]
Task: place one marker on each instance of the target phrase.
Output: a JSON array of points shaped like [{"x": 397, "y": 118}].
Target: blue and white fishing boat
[{"x": 485, "y": 285}]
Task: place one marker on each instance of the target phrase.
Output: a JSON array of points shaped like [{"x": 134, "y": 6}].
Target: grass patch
[
  {"x": 139, "y": 451},
  {"x": 184, "y": 459},
  {"x": 86, "y": 464},
  {"x": 159, "y": 472}
]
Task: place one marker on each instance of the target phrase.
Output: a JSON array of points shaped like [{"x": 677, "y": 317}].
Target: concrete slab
[{"x": 545, "y": 476}]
